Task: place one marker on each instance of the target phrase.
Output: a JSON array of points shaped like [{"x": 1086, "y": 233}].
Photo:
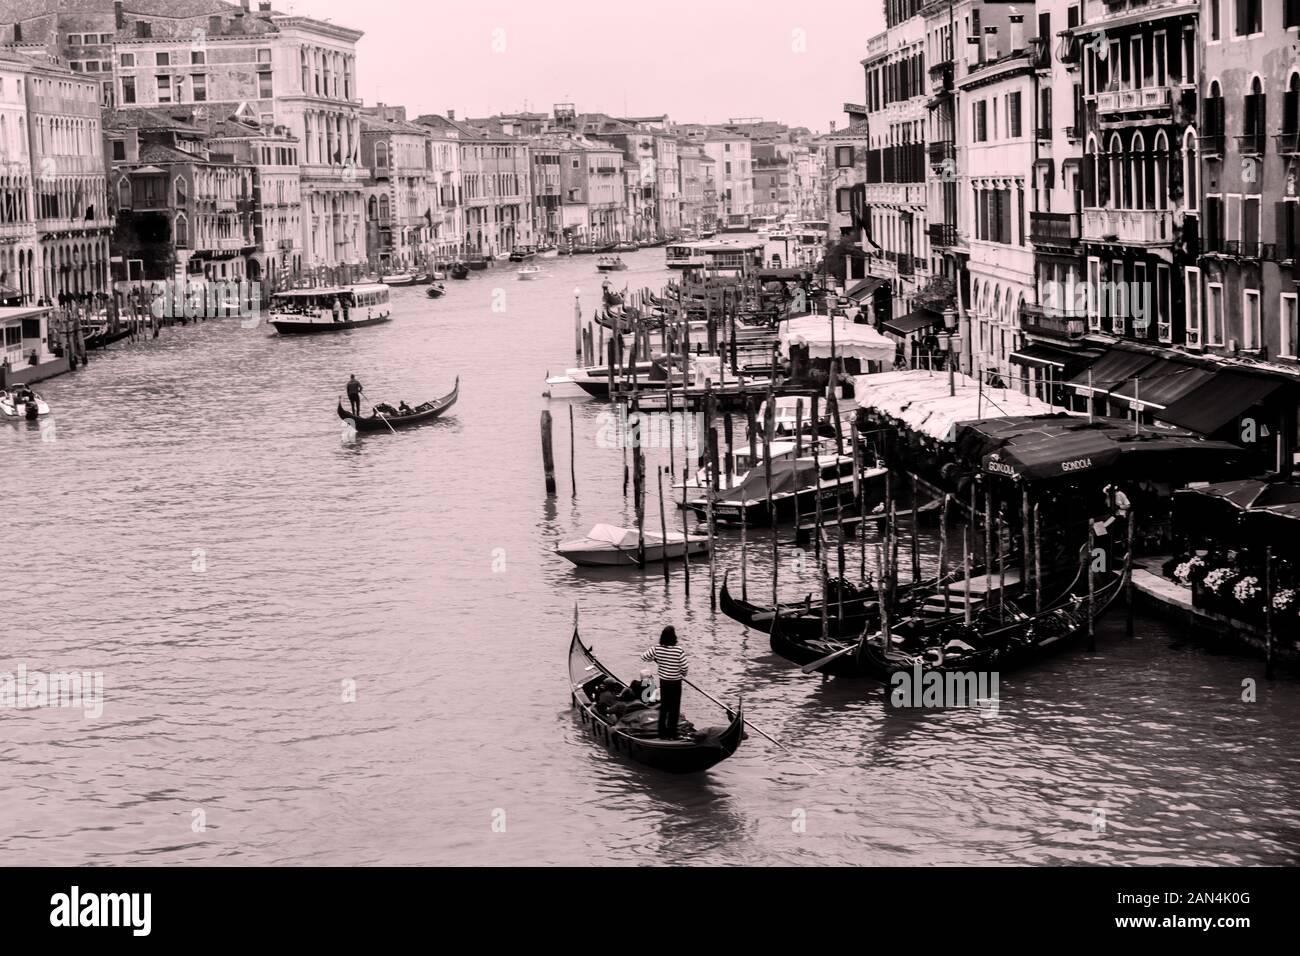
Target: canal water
[{"x": 331, "y": 652}]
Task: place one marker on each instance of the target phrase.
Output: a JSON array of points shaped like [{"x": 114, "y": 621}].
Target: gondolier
[
  {"x": 354, "y": 394},
  {"x": 673, "y": 665}
]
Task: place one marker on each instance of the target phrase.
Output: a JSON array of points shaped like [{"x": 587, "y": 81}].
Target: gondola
[
  {"x": 319, "y": 326},
  {"x": 694, "y": 751},
  {"x": 459, "y": 270},
  {"x": 435, "y": 291},
  {"x": 105, "y": 337},
  {"x": 421, "y": 413}
]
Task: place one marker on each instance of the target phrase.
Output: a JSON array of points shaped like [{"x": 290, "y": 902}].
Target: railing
[
  {"x": 1040, "y": 321},
  {"x": 1288, "y": 144},
  {"x": 941, "y": 76},
  {"x": 1143, "y": 226},
  {"x": 1145, "y": 99},
  {"x": 1054, "y": 228},
  {"x": 943, "y": 235},
  {"x": 1252, "y": 144},
  {"x": 1040, "y": 53},
  {"x": 941, "y": 151},
  {"x": 1074, "y": 132},
  {"x": 1043, "y": 132},
  {"x": 905, "y": 264},
  {"x": 1212, "y": 144}
]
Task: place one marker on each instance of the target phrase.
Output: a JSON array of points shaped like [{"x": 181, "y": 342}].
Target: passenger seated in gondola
[
  {"x": 404, "y": 409},
  {"x": 609, "y": 701},
  {"x": 383, "y": 408}
]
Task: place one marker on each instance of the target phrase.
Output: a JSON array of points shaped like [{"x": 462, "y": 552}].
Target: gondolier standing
[
  {"x": 354, "y": 394},
  {"x": 673, "y": 665}
]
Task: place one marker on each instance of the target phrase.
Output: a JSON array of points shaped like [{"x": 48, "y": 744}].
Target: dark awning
[
  {"x": 864, "y": 288},
  {"x": 1218, "y": 401},
  {"x": 1045, "y": 355},
  {"x": 1110, "y": 371},
  {"x": 1163, "y": 384},
  {"x": 912, "y": 322}
]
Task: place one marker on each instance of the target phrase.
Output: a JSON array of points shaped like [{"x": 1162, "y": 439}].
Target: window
[
  {"x": 843, "y": 156},
  {"x": 1291, "y": 14},
  {"x": 1290, "y": 313},
  {"x": 119, "y": 149},
  {"x": 263, "y": 56},
  {"x": 1250, "y": 330},
  {"x": 198, "y": 58},
  {"x": 1094, "y": 294},
  {"x": 1249, "y": 19},
  {"x": 199, "y": 87},
  {"x": 182, "y": 232},
  {"x": 128, "y": 89},
  {"x": 980, "y": 115},
  {"x": 1214, "y": 313},
  {"x": 1118, "y": 305},
  {"x": 844, "y": 200},
  {"x": 1013, "y": 115},
  {"x": 1164, "y": 312},
  {"x": 128, "y": 59},
  {"x": 1192, "y": 299},
  {"x": 162, "y": 59},
  {"x": 264, "y": 88},
  {"x": 164, "y": 89},
  {"x": 1250, "y": 226}
]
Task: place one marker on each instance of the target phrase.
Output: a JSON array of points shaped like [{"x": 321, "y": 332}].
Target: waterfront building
[
  {"x": 403, "y": 191},
  {"x": 19, "y": 276},
  {"x": 183, "y": 209},
  {"x": 773, "y": 181},
  {"x": 845, "y": 152},
  {"x": 690, "y": 177},
  {"x": 732, "y": 155},
  {"x": 708, "y": 192}
]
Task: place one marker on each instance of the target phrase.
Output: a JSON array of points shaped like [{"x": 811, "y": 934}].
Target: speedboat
[
  {"x": 435, "y": 291},
  {"x": 611, "y": 264},
  {"x": 398, "y": 279},
  {"x": 522, "y": 253},
  {"x": 608, "y": 546},
  {"x": 529, "y": 272},
  {"x": 547, "y": 252},
  {"x": 22, "y": 403},
  {"x": 627, "y": 247}
]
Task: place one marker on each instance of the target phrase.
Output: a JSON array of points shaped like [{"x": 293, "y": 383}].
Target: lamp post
[{"x": 949, "y": 330}]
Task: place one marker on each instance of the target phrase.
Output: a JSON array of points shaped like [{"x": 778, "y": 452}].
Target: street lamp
[{"x": 949, "y": 330}]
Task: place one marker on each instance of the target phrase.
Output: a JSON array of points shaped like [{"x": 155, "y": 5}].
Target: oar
[
  {"x": 822, "y": 662},
  {"x": 751, "y": 726}
]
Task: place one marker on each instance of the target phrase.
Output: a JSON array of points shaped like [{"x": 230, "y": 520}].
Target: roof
[{"x": 146, "y": 117}]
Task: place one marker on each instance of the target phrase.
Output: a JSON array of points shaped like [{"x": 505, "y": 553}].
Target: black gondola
[
  {"x": 694, "y": 751},
  {"x": 459, "y": 270},
  {"x": 382, "y": 422}
]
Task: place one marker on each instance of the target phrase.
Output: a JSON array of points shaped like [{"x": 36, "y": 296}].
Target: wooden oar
[
  {"x": 822, "y": 662},
  {"x": 751, "y": 726}
]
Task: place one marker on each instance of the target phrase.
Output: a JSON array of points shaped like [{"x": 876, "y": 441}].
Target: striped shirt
[{"x": 672, "y": 661}]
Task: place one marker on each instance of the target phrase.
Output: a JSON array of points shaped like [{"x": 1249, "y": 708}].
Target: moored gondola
[
  {"x": 383, "y": 421},
  {"x": 634, "y": 734}
]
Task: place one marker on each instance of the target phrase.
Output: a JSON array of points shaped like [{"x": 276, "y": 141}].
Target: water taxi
[{"x": 310, "y": 311}]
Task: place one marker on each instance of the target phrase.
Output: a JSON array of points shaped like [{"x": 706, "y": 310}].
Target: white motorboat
[
  {"x": 22, "y": 402},
  {"x": 607, "y": 546},
  {"x": 529, "y": 272}
]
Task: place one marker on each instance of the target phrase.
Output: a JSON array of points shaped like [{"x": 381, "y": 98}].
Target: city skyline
[{"x": 480, "y": 72}]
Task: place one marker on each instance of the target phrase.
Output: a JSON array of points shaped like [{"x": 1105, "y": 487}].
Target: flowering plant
[
  {"x": 1184, "y": 572},
  {"x": 1247, "y": 590},
  {"x": 1216, "y": 579},
  {"x": 1284, "y": 600}
]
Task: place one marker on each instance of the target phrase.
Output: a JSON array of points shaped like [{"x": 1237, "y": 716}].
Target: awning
[
  {"x": 823, "y": 336},
  {"x": 1163, "y": 384},
  {"x": 920, "y": 400},
  {"x": 864, "y": 288},
  {"x": 1045, "y": 355},
  {"x": 1110, "y": 371},
  {"x": 912, "y": 322},
  {"x": 1218, "y": 401}
]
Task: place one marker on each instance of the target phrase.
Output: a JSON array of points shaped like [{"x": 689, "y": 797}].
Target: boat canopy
[
  {"x": 787, "y": 475},
  {"x": 850, "y": 339},
  {"x": 611, "y": 534}
]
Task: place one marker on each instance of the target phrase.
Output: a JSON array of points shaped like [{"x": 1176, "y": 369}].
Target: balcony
[
  {"x": 1069, "y": 49},
  {"x": 1212, "y": 145},
  {"x": 1288, "y": 144},
  {"x": 1252, "y": 144},
  {"x": 1040, "y": 53},
  {"x": 1037, "y": 320},
  {"x": 1043, "y": 133},
  {"x": 1142, "y": 227},
  {"x": 941, "y": 151},
  {"x": 1054, "y": 228},
  {"x": 1157, "y": 101},
  {"x": 943, "y": 235},
  {"x": 905, "y": 264},
  {"x": 941, "y": 75}
]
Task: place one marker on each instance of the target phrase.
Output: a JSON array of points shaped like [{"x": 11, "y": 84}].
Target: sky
[{"x": 696, "y": 60}]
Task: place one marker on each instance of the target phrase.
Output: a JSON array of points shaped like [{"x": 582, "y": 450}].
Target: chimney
[
  {"x": 451, "y": 115},
  {"x": 1016, "y": 32},
  {"x": 119, "y": 14},
  {"x": 990, "y": 44},
  {"x": 264, "y": 7}
]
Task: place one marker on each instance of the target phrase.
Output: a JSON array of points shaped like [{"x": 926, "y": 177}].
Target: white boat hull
[{"x": 590, "y": 554}]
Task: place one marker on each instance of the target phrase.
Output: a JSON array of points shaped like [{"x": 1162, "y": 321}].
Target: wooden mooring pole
[{"x": 548, "y": 458}]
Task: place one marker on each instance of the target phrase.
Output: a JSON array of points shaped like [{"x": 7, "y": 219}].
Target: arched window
[
  {"x": 1094, "y": 181},
  {"x": 1191, "y": 178},
  {"x": 381, "y": 155},
  {"x": 1291, "y": 115},
  {"x": 1139, "y": 171},
  {"x": 124, "y": 193},
  {"x": 182, "y": 190},
  {"x": 1120, "y": 188},
  {"x": 1159, "y": 171},
  {"x": 372, "y": 209},
  {"x": 182, "y": 231},
  {"x": 1253, "y": 123},
  {"x": 383, "y": 209}
]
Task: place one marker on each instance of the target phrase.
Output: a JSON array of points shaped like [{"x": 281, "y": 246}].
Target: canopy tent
[
  {"x": 919, "y": 399},
  {"x": 1244, "y": 511},
  {"x": 1072, "y": 449},
  {"x": 787, "y": 475},
  {"x": 851, "y": 339}
]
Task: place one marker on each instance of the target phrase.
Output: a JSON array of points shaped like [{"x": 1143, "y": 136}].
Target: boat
[
  {"x": 595, "y": 379},
  {"x": 459, "y": 270},
  {"x": 796, "y": 485},
  {"x": 530, "y": 272},
  {"x": 476, "y": 261},
  {"x": 422, "y": 278},
  {"x": 633, "y": 735},
  {"x": 610, "y": 264},
  {"x": 398, "y": 279},
  {"x": 311, "y": 311},
  {"x": 547, "y": 252},
  {"x": 386, "y": 417},
  {"x": 626, "y": 246},
  {"x": 522, "y": 253},
  {"x": 607, "y": 546},
  {"x": 436, "y": 291},
  {"x": 22, "y": 402}
]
